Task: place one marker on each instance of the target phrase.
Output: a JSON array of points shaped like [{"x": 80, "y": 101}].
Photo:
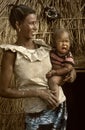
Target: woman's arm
[{"x": 7, "y": 69}]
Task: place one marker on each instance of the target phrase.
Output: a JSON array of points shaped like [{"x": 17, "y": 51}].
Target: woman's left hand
[
  {"x": 49, "y": 97},
  {"x": 70, "y": 77}
]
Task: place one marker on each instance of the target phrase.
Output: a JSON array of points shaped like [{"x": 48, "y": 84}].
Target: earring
[{"x": 19, "y": 29}]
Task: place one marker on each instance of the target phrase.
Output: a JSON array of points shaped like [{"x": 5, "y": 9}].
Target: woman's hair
[{"x": 19, "y": 13}]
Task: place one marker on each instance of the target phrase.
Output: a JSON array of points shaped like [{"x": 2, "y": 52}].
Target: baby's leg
[{"x": 54, "y": 83}]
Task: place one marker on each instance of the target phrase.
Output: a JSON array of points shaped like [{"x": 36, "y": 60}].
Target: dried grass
[
  {"x": 72, "y": 17},
  {"x": 12, "y": 116}
]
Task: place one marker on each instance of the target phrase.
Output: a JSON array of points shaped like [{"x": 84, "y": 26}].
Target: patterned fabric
[
  {"x": 48, "y": 119},
  {"x": 57, "y": 60}
]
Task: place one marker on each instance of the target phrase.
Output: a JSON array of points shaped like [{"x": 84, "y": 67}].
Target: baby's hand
[{"x": 48, "y": 75}]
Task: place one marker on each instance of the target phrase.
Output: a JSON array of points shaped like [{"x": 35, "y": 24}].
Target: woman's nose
[{"x": 35, "y": 26}]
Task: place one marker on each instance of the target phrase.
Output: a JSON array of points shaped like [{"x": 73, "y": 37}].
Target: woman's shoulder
[
  {"x": 41, "y": 42},
  {"x": 11, "y": 47}
]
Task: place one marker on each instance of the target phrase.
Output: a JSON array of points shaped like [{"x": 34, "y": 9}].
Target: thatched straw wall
[{"x": 72, "y": 17}]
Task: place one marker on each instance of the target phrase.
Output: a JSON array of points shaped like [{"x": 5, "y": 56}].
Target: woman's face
[
  {"x": 29, "y": 26},
  {"x": 62, "y": 44}
]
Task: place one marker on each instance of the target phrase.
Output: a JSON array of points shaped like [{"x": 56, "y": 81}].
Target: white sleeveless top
[{"x": 31, "y": 67}]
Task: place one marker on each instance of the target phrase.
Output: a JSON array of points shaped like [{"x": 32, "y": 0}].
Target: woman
[{"x": 29, "y": 60}]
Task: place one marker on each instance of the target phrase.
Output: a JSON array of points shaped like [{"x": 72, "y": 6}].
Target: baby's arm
[{"x": 67, "y": 68}]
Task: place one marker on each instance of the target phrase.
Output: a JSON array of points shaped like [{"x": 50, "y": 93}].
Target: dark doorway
[{"x": 75, "y": 102}]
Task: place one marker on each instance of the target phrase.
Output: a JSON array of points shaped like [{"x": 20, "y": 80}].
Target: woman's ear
[{"x": 17, "y": 26}]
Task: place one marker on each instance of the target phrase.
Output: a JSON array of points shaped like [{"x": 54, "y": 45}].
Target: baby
[{"x": 61, "y": 59}]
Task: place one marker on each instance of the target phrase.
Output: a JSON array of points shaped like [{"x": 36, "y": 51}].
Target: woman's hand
[
  {"x": 49, "y": 97},
  {"x": 70, "y": 77}
]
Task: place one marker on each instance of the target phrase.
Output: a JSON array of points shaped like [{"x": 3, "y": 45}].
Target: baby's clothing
[{"x": 59, "y": 61}]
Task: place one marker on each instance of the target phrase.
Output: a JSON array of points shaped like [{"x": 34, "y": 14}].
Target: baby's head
[{"x": 61, "y": 41}]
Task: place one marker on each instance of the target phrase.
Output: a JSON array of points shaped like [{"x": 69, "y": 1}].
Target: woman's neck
[{"x": 26, "y": 43}]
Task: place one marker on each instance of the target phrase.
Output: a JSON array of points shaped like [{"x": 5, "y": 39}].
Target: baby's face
[{"x": 62, "y": 44}]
